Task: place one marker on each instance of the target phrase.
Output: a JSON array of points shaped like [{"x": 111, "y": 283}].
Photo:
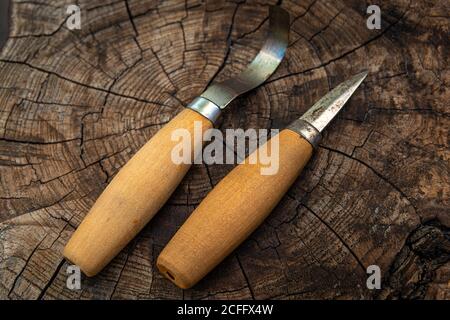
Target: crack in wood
[{"x": 55, "y": 174}]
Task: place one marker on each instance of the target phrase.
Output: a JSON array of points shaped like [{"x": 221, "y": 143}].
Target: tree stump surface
[{"x": 76, "y": 105}]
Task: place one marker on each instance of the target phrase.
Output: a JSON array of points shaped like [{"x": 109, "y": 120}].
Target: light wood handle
[
  {"x": 133, "y": 197},
  {"x": 230, "y": 213}
]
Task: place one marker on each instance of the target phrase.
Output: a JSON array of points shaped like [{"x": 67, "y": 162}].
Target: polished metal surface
[
  {"x": 307, "y": 131},
  {"x": 262, "y": 66},
  {"x": 206, "y": 108},
  {"x": 324, "y": 110},
  {"x": 313, "y": 122}
]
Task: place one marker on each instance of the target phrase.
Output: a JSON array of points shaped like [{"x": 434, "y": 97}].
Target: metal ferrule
[
  {"x": 307, "y": 131},
  {"x": 206, "y": 108}
]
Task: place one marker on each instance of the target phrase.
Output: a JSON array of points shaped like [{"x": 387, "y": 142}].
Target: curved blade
[{"x": 262, "y": 66}]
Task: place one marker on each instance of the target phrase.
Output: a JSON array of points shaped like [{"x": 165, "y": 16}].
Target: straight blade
[{"x": 324, "y": 110}]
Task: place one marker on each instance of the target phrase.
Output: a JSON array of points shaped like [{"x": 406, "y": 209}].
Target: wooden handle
[
  {"x": 133, "y": 197},
  {"x": 230, "y": 213}
]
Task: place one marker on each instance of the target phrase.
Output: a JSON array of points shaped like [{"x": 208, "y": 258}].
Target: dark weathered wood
[
  {"x": 4, "y": 21},
  {"x": 76, "y": 105}
]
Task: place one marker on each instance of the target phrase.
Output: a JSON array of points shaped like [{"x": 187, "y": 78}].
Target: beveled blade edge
[{"x": 326, "y": 109}]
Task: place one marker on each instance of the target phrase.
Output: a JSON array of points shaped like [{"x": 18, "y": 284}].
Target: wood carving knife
[
  {"x": 244, "y": 198},
  {"x": 145, "y": 183}
]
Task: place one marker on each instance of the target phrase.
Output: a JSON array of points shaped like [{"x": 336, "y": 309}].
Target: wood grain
[
  {"x": 232, "y": 211},
  {"x": 75, "y": 106},
  {"x": 135, "y": 195}
]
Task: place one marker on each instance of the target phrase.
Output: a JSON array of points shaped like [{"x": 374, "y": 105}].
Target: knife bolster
[
  {"x": 206, "y": 108},
  {"x": 307, "y": 131}
]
